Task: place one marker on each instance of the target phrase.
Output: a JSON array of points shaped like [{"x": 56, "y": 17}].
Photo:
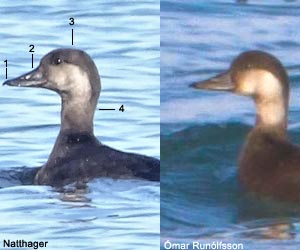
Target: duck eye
[{"x": 58, "y": 61}]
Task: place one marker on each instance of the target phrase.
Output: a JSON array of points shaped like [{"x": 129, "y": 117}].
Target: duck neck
[
  {"x": 77, "y": 116},
  {"x": 272, "y": 115}
]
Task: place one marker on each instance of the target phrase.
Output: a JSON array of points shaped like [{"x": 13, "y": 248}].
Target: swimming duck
[
  {"x": 77, "y": 154},
  {"x": 269, "y": 165}
]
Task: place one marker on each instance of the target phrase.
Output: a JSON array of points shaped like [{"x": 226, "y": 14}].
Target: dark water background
[
  {"x": 123, "y": 39},
  {"x": 202, "y": 132}
]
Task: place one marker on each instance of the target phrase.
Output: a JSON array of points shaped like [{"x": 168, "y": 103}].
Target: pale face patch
[
  {"x": 69, "y": 78},
  {"x": 269, "y": 95},
  {"x": 258, "y": 82},
  {"x": 73, "y": 84}
]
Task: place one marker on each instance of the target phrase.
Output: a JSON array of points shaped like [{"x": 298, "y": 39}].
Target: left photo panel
[{"x": 80, "y": 125}]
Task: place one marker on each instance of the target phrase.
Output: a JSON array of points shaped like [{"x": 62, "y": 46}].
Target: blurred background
[{"x": 202, "y": 132}]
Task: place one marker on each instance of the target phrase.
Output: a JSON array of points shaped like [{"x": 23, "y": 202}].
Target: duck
[
  {"x": 77, "y": 155},
  {"x": 269, "y": 164}
]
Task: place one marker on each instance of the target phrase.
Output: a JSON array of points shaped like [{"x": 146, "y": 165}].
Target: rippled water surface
[
  {"x": 123, "y": 39},
  {"x": 202, "y": 132}
]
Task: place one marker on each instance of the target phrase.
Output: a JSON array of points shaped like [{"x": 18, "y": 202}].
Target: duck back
[{"x": 270, "y": 165}]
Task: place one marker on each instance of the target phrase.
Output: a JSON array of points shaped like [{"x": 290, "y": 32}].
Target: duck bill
[
  {"x": 34, "y": 78},
  {"x": 221, "y": 82}
]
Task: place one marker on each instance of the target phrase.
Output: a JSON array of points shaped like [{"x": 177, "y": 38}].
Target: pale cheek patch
[
  {"x": 70, "y": 78},
  {"x": 271, "y": 103},
  {"x": 260, "y": 83},
  {"x": 270, "y": 87},
  {"x": 56, "y": 78},
  {"x": 79, "y": 87},
  {"x": 78, "y": 82},
  {"x": 268, "y": 90},
  {"x": 246, "y": 83},
  {"x": 246, "y": 88}
]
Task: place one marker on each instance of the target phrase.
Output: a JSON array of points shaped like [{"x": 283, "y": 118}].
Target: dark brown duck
[
  {"x": 77, "y": 154},
  {"x": 269, "y": 165}
]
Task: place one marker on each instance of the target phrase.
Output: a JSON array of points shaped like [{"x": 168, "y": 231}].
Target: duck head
[
  {"x": 74, "y": 76},
  {"x": 261, "y": 76}
]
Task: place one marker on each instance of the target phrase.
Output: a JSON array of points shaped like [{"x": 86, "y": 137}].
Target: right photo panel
[{"x": 230, "y": 124}]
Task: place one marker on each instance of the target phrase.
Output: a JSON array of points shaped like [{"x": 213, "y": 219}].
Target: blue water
[
  {"x": 202, "y": 132},
  {"x": 123, "y": 39}
]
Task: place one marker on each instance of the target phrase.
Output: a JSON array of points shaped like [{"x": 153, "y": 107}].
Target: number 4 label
[{"x": 122, "y": 108}]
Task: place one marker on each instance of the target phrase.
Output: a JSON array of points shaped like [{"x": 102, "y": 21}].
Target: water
[
  {"x": 202, "y": 132},
  {"x": 123, "y": 39}
]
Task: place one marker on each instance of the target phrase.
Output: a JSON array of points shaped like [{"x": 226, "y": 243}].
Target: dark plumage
[
  {"x": 77, "y": 154},
  {"x": 269, "y": 165}
]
